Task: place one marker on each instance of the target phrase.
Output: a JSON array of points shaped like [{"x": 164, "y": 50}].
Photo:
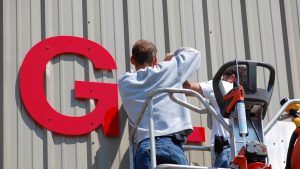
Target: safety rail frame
[
  {"x": 209, "y": 108},
  {"x": 171, "y": 92},
  {"x": 279, "y": 115}
]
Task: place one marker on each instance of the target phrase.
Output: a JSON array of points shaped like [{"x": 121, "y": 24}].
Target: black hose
[
  {"x": 252, "y": 124},
  {"x": 291, "y": 148}
]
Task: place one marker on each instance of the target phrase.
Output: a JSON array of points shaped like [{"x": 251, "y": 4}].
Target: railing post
[{"x": 152, "y": 135}]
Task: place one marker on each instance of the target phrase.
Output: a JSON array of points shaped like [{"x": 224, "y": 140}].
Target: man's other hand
[{"x": 168, "y": 56}]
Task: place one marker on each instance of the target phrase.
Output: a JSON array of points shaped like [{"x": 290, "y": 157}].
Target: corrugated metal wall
[{"x": 263, "y": 30}]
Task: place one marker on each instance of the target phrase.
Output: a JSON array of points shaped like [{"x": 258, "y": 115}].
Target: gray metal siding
[
  {"x": 292, "y": 11},
  {"x": 222, "y": 30},
  {"x": 1, "y": 85}
]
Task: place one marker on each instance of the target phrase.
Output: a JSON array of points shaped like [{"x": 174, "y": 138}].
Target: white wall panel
[
  {"x": 239, "y": 38},
  {"x": 262, "y": 30},
  {"x": 215, "y": 35},
  {"x": 227, "y": 30},
  {"x": 9, "y": 76},
  {"x": 145, "y": 21},
  {"x": 292, "y": 23}
]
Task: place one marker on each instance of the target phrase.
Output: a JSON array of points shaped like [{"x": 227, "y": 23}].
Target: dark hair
[
  {"x": 242, "y": 73},
  {"x": 143, "y": 52}
]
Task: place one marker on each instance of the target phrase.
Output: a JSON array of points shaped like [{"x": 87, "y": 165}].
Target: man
[
  {"x": 219, "y": 136},
  {"x": 172, "y": 121}
]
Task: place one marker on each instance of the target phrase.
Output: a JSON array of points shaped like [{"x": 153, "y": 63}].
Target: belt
[
  {"x": 167, "y": 136},
  {"x": 177, "y": 137}
]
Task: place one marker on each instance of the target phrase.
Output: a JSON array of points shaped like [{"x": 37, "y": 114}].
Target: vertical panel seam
[
  {"x": 141, "y": 20},
  {"x": 115, "y": 37},
  {"x": 153, "y": 17},
  {"x": 298, "y": 16},
  {"x": 195, "y": 41},
  {"x": 74, "y": 59},
  {"x": 33, "y": 125},
  {"x": 85, "y": 35},
  {"x": 221, "y": 38},
  {"x": 166, "y": 25},
  {"x": 60, "y": 81},
  {"x": 100, "y": 26},
  {"x": 126, "y": 35},
  {"x": 245, "y": 30},
  {"x": 180, "y": 23},
  {"x": 84, "y": 19},
  {"x": 195, "y": 38},
  {"x": 16, "y": 64},
  {"x": 286, "y": 49},
  {"x": 72, "y": 19},
  {"x": 233, "y": 26},
  {"x": 43, "y": 20},
  {"x": 260, "y": 38},
  {"x": 1, "y": 86},
  {"x": 207, "y": 40}
]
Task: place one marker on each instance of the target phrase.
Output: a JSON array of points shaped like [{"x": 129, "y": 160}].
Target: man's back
[{"x": 169, "y": 117}]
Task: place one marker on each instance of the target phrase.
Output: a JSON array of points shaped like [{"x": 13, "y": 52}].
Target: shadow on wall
[
  {"x": 113, "y": 153},
  {"x": 33, "y": 126}
]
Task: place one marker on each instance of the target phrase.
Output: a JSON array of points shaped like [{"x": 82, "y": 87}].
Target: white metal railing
[
  {"x": 279, "y": 115},
  {"x": 171, "y": 92},
  {"x": 210, "y": 109}
]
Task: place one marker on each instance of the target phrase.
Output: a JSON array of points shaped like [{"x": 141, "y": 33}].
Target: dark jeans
[
  {"x": 167, "y": 152},
  {"x": 223, "y": 159}
]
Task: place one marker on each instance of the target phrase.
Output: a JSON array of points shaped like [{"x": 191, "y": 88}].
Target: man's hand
[
  {"x": 168, "y": 56},
  {"x": 186, "y": 85},
  {"x": 193, "y": 86}
]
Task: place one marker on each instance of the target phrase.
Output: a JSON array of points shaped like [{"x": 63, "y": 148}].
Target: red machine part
[
  {"x": 258, "y": 165},
  {"x": 237, "y": 94},
  {"x": 296, "y": 152},
  {"x": 240, "y": 161}
]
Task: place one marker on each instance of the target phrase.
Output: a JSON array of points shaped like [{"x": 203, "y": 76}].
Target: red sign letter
[{"x": 32, "y": 74}]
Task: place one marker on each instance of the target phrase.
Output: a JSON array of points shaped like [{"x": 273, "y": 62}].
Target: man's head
[
  {"x": 230, "y": 75},
  {"x": 143, "y": 54}
]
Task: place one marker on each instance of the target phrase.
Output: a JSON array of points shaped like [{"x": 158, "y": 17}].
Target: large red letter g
[{"x": 32, "y": 74}]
